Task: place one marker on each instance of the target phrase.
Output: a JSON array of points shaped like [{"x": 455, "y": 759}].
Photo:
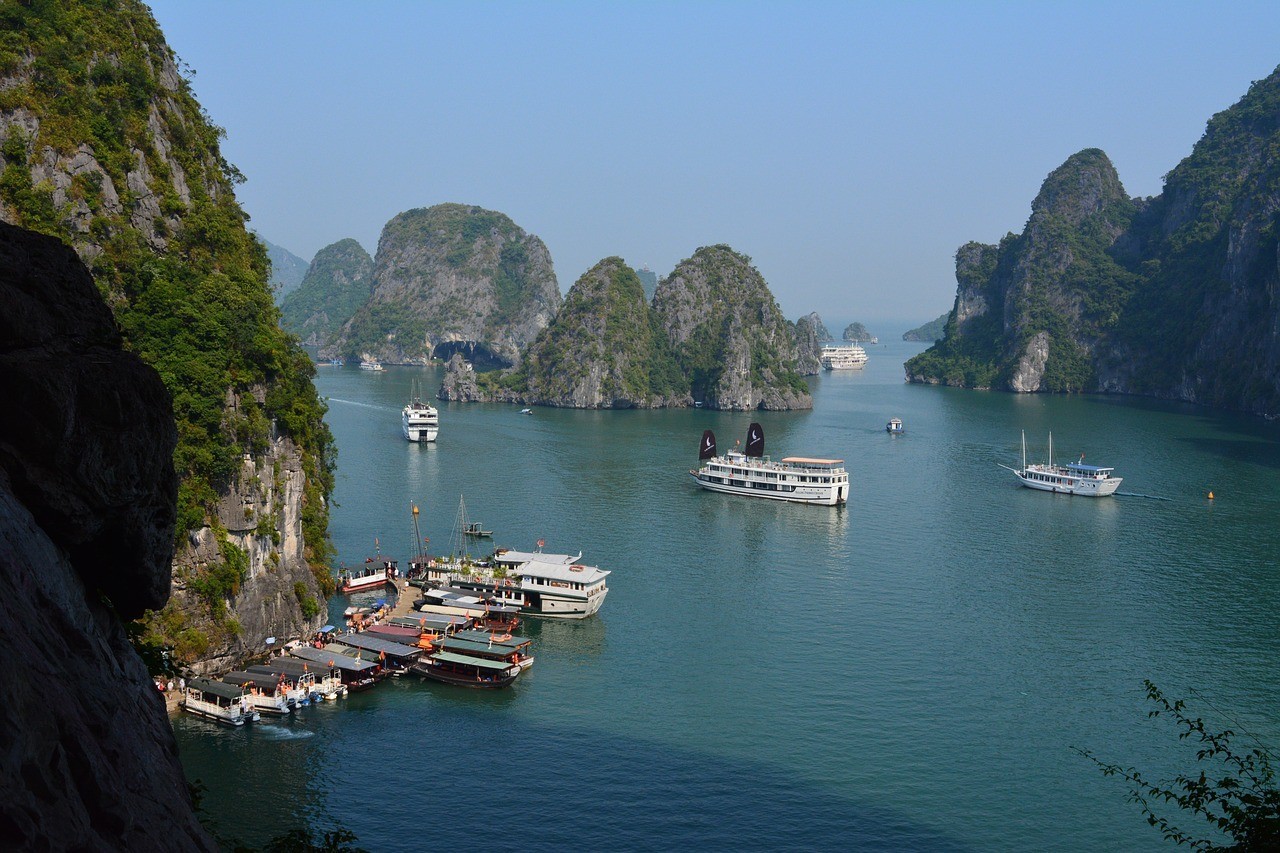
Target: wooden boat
[
  {"x": 466, "y": 671},
  {"x": 372, "y": 576},
  {"x": 266, "y": 694},
  {"x": 356, "y": 674},
  {"x": 482, "y": 644},
  {"x": 218, "y": 701},
  {"x": 325, "y": 681}
]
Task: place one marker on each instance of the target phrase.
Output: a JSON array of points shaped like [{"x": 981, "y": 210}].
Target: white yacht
[
  {"x": 800, "y": 479},
  {"x": 371, "y": 365},
  {"x": 836, "y": 357},
  {"x": 421, "y": 421},
  {"x": 1071, "y": 479}
]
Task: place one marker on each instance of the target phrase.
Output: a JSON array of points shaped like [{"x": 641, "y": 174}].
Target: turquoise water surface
[{"x": 907, "y": 672}]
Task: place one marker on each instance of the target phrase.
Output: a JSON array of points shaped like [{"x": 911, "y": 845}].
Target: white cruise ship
[
  {"x": 799, "y": 479},
  {"x": 836, "y": 357},
  {"x": 421, "y": 421},
  {"x": 1071, "y": 479}
]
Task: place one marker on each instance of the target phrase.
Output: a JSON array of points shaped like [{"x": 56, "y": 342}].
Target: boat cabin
[
  {"x": 218, "y": 701},
  {"x": 356, "y": 674}
]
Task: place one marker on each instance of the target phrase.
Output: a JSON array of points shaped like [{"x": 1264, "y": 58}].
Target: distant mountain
[
  {"x": 649, "y": 279},
  {"x": 931, "y": 331},
  {"x": 1172, "y": 296},
  {"x": 858, "y": 334},
  {"x": 810, "y": 333},
  {"x": 336, "y": 285},
  {"x": 287, "y": 269},
  {"x": 453, "y": 274}
]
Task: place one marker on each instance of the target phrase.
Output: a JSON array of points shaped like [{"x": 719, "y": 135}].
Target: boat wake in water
[
  {"x": 277, "y": 733},
  {"x": 1139, "y": 495},
  {"x": 361, "y": 405}
]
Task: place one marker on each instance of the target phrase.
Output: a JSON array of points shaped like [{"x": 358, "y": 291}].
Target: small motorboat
[
  {"x": 474, "y": 529},
  {"x": 526, "y": 411},
  {"x": 894, "y": 427}
]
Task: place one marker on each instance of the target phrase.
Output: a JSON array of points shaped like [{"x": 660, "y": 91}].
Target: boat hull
[
  {"x": 832, "y": 496},
  {"x": 457, "y": 680},
  {"x": 1087, "y": 488},
  {"x": 415, "y": 432}
]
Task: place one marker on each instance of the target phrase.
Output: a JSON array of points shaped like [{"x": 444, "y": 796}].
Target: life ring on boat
[
  {"x": 575, "y": 568},
  {"x": 500, "y": 638}
]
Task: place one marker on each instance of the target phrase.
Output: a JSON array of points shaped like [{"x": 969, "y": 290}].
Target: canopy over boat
[
  {"x": 486, "y": 637},
  {"x": 806, "y": 460},
  {"x": 331, "y": 659},
  {"x": 377, "y": 644},
  {"x": 467, "y": 660},
  {"x": 560, "y": 572},
  {"x": 260, "y": 680},
  {"x": 216, "y": 688},
  {"x": 475, "y": 647},
  {"x": 510, "y": 558},
  {"x": 430, "y": 621}
]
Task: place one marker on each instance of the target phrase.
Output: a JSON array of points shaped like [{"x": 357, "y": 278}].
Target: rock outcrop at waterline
[
  {"x": 714, "y": 334},
  {"x": 1171, "y": 297},
  {"x": 810, "y": 334},
  {"x": 453, "y": 273},
  {"x": 87, "y": 489}
]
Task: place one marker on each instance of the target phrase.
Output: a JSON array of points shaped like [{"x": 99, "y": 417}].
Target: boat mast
[
  {"x": 1050, "y": 450},
  {"x": 1024, "y": 451},
  {"x": 417, "y": 537}
]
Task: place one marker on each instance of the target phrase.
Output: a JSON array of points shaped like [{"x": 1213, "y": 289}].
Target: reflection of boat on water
[
  {"x": 799, "y": 479},
  {"x": 1071, "y": 479}
]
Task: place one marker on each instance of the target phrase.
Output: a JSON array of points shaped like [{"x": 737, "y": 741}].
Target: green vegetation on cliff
[
  {"x": 337, "y": 283},
  {"x": 105, "y": 147},
  {"x": 602, "y": 349},
  {"x": 931, "y": 331},
  {"x": 1057, "y": 283}
]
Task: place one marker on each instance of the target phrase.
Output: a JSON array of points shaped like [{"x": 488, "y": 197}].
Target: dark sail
[
  {"x": 707, "y": 448},
  {"x": 755, "y": 440}
]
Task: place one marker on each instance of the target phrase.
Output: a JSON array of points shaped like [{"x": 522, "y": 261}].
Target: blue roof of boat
[{"x": 1075, "y": 466}]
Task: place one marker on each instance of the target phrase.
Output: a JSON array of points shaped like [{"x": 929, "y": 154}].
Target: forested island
[{"x": 1168, "y": 297}]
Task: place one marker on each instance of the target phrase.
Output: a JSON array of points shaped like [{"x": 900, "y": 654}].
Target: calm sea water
[{"x": 908, "y": 672}]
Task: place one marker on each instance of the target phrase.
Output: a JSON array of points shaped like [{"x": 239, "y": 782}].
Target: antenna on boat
[
  {"x": 1051, "y": 450},
  {"x": 1024, "y": 451}
]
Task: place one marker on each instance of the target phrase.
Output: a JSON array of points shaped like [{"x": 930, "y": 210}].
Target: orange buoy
[{"x": 1210, "y": 495}]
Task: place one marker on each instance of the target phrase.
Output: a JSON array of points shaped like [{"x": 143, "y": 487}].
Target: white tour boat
[
  {"x": 372, "y": 576},
  {"x": 218, "y": 701},
  {"x": 539, "y": 584},
  {"x": 370, "y": 365},
  {"x": 799, "y": 479},
  {"x": 420, "y": 421},
  {"x": 1071, "y": 479},
  {"x": 836, "y": 357}
]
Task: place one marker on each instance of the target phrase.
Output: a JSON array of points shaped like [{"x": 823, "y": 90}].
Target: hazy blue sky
[{"x": 849, "y": 148}]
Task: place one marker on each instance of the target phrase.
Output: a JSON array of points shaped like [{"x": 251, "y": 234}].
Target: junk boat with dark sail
[
  {"x": 750, "y": 473},
  {"x": 1071, "y": 479}
]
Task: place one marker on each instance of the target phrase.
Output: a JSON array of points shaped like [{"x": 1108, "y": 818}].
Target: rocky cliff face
[
  {"x": 337, "y": 283},
  {"x": 453, "y": 274},
  {"x": 603, "y": 350},
  {"x": 87, "y": 486},
  {"x": 810, "y": 334},
  {"x": 728, "y": 334},
  {"x": 103, "y": 144},
  {"x": 1171, "y": 297},
  {"x": 1028, "y": 313}
]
